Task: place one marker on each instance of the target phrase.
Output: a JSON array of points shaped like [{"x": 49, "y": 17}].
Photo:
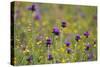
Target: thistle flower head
[
  {"x": 50, "y": 57},
  {"x": 67, "y": 44},
  {"x": 37, "y": 17},
  {"x": 63, "y": 24},
  {"x": 56, "y": 31},
  {"x": 77, "y": 38},
  {"x": 87, "y": 47},
  {"x": 86, "y": 34},
  {"x": 32, "y": 7},
  {"x": 69, "y": 50},
  {"x": 48, "y": 42}
]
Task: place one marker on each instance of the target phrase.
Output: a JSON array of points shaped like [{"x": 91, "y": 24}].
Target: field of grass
[{"x": 54, "y": 33}]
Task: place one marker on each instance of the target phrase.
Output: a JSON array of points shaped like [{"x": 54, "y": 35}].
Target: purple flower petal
[
  {"x": 32, "y": 7},
  {"x": 56, "y": 31},
  {"x": 48, "y": 42},
  {"x": 67, "y": 44},
  {"x": 77, "y": 38},
  {"x": 50, "y": 57},
  {"x": 63, "y": 24},
  {"x": 86, "y": 34}
]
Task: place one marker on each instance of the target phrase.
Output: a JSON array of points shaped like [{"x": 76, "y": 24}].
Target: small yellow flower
[
  {"x": 44, "y": 23},
  {"x": 17, "y": 40},
  {"x": 75, "y": 31},
  {"x": 63, "y": 61},
  {"x": 40, "y": 57},
  {"x": 62, "y": 49},
  {"x": 94, "y": 45},
  {"x": 64, "y": 45},
  {"x": 65, "y": 30},
  {"x": 56, "y": 37},
  {"x": 14, "y": 61},
  {"x": 30, "y": 24},
  {"x": 75, "y": 45},
  {"x": 17, "y": 46},
  {"x": 29, "y": 30},
  {"x": 26, "y": 51},
  {"x": 37, "y": 24},
  {"x": 79, "y": 40},
  {"x": 46, "y": 38},
  {"x": 39, "y": 42}
]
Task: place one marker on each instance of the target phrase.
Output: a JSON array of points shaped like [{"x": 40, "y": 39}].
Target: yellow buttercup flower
[
  {"x": 27, "y": 50},
  {"x": 54, "y": 52}
]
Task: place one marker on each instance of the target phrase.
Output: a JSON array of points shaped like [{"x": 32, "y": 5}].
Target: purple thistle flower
[
  {"x": 69, "y": 50},
  {"x": 77, "y": 38},
  {"x": 29, "y": 59},
  {"x": 63, "y": 24},
  {"x": 67, "y": 44},
  {"x": 50, "y": 57},
  {"x": 48, "y": 42},
  {"x": 56, "y": 31},
  {"x": 32, "y": 7},
  {"x": 37, "y": 17},
  {"x": 86, "y": 34},
  {"x": 87, "y": 47}
]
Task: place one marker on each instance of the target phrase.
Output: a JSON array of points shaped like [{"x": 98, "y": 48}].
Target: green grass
[{"x": 79, "y": 19}]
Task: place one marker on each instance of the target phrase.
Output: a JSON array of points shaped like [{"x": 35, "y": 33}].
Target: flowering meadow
[{"x": 47, "y": 33}]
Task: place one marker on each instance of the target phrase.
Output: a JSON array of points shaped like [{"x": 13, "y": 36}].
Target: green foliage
[{"x": 31, "y": 34}]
